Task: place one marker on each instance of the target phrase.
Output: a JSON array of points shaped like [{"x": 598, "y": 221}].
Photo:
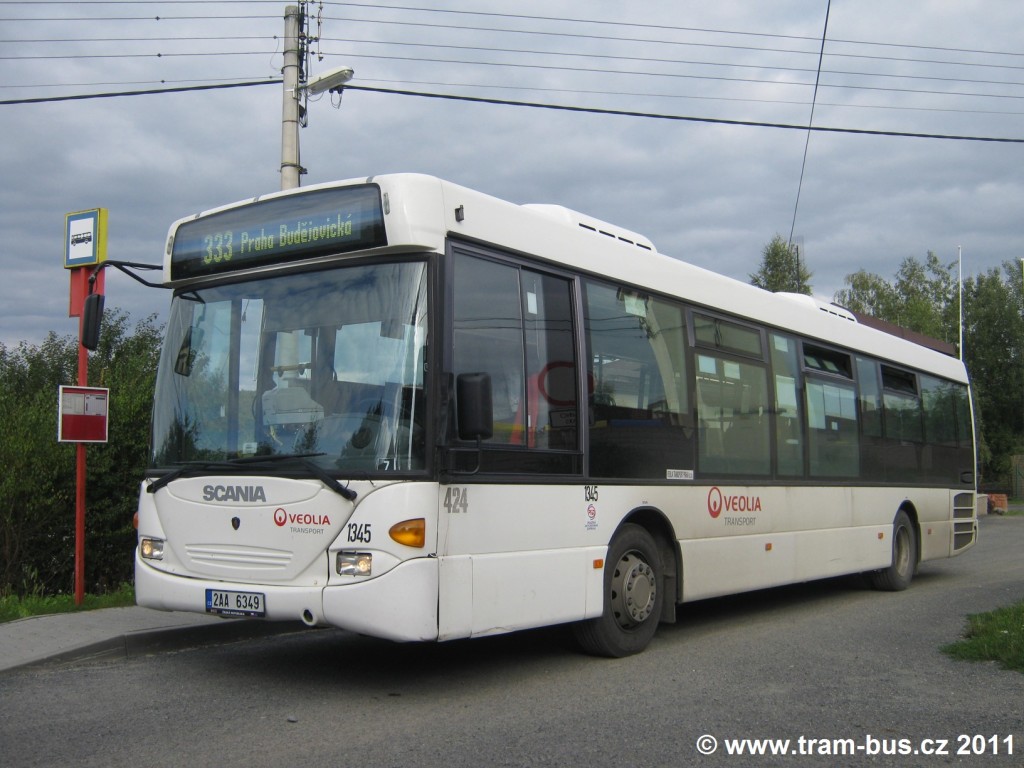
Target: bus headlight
[
  {"x": 151, "y": 549},
  {"x": 354, "y": 563}
]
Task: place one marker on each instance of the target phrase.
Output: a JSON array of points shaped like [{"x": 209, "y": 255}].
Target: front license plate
[{"x": 235, "y": 603}]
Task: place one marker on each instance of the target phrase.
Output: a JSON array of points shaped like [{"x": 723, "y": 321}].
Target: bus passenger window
[
  {"x": 640, "y": 421},
  {"x": 902, "y": 406},
  {"x": 903, "y": 426},
  {"x": 488, "y": 335},
  {"x": 870, "y": 397},
  {"x": 942, "y": 459},
  {"x": 873, "y": 451},
  {"x": 517, "y": 325},
  {"x": 789, "y": 443},
  {"x": 733, "y": 417},
  {"x": 833, "y": 442},
  {"x": 832, "y": 432}
]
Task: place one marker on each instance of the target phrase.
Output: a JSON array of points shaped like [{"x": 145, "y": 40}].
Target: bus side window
[
  {"x": 903, "y": 425},
  {"x": 789, "y": 442},
  {"x": 734, "y": 422},
  {"x": 548, "y": 418},
  {"x": 832, "y": 428},
  {"x": 516, "y": 325},
  {"x": 488, "y": 336},
  {"x": 833, "y": 441},
  {"x": 640, "y": 422}
]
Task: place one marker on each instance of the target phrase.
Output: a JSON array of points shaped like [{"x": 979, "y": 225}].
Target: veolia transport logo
[
  {"x": 280, "y": 516},
  {"x": 714, "y": 501}
]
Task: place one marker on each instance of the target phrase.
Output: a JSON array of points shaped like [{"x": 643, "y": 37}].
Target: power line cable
[
  {"x": 647, "y": 59},
  {"x": 378, "y": 6},
  {"x": 770, "y": 67},
  {"x": 539, "y": 89},
  {"x": 536, "y": 105},
  {"x": 147, "y": 92},
  {"x": 685, "y": 118},
  {"x": 567, "y": 35},
  {"x": 599, "y": 71},
  {"x": 680, "y": 43},
  {"x": 676, "y": 75},
  {"x": 807, "y": 140},
  {"x": 605, "y": 37},
  {"x": 527, "y": 17},
  {"x": 819, "y": 72},
  {"x": 683, "y": 96},
  {"x": 818, "y": 82}
]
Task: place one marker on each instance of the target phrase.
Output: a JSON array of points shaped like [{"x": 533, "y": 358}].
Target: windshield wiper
[
  {"x": 188, "y": 466},
  {"x": 303, "y": 458},
  {"x": 321, "y": 474}
]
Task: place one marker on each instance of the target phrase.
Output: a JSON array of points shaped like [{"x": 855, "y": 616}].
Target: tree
[
  {"x": 868, "y": 294},
  {"x": 781, "y": 269},
  {"x": 994, "y": 354},
  {"x": 923, "y": 297},
  {"x": 37, "y": 493},
  {"x": 37, "y": 486},
  {"x": 926, "y": 295}
]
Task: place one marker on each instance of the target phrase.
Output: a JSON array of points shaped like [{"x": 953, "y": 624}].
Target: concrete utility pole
[{"x": 290, "y": 167}]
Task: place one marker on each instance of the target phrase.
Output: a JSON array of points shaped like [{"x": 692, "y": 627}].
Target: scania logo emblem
[{"x": 235, "y": 522}]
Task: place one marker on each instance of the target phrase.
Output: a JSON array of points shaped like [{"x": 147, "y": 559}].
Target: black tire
[
  {"x": 634, "y": 591},
  {"x": 898, "y": 576}
]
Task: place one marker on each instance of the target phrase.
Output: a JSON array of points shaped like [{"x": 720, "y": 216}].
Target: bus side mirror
[
  {"x": 474, "y": 410},
  {"x": 92, "y": 319}
]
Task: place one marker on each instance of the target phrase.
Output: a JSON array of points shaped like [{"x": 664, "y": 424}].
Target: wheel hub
[{"x": 636, "y": 589}]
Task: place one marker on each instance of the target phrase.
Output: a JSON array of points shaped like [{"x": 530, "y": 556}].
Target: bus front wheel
[
  {"x": 904, "y": 557},
  {"x": 633, "y": 596}
]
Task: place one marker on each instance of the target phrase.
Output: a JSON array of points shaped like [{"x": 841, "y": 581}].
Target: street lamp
[{"x": 329, "y": 80}]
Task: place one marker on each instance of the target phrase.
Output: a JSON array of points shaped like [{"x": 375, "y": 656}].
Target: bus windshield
[{"x": 326, "y": 364}]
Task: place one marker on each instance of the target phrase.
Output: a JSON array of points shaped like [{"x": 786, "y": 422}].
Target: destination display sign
[{"x": 317, "y": 223}]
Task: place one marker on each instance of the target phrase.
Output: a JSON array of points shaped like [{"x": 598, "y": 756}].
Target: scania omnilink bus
[{"x": 408, "y": 409}]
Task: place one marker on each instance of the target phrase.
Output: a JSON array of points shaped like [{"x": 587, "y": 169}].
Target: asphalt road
[{"x": 829, "y": 660}]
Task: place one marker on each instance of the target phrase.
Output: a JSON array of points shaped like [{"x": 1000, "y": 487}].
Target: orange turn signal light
[{"x": 411, "y": 533}]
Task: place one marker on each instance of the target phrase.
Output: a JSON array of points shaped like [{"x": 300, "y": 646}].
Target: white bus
[{"x": 411, "y": 410}]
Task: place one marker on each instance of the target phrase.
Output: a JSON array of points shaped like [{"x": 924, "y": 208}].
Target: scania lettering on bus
[{"x": 251, "y": 493}]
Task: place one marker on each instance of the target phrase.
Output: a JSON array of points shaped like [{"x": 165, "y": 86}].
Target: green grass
[
  {"x": 994, "y": 636},
  {"x": 12, "y": 607}
]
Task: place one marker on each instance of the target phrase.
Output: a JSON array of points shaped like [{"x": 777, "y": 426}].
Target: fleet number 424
[{"x": 456, "y": 499}]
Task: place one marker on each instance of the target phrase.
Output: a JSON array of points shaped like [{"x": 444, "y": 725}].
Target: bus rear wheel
[
  {"x": 904, "y": 557},
  {"x": 633, "y": 596}
]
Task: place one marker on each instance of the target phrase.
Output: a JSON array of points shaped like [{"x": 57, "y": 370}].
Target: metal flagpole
[{"x": 960, "y": 290}]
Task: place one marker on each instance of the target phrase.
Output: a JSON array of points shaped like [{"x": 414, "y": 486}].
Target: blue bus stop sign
[{"x": 85, "y": 238}]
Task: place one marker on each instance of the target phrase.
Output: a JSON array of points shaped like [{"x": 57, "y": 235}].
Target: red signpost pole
[
  {"x": 85, "y": 247},
  {"x": 80, "y": 527},
  {"x": 82, "y": 286}
]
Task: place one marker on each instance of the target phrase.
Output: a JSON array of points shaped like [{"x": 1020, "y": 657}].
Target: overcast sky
[{"x": 704, "y": 192}]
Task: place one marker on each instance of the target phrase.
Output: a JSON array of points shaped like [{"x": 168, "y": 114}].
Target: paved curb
[{"x": 149, "y": 641}]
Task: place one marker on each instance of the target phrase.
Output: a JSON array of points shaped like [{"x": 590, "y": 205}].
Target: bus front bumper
[{"x": 399, "y": 605}]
